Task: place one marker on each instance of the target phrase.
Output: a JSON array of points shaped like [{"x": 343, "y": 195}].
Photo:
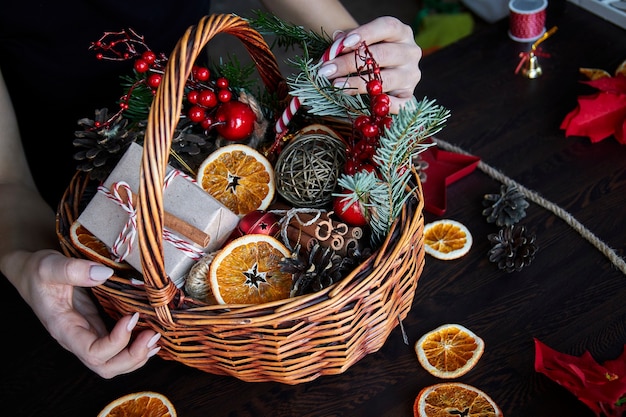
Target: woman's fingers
[{"x": 391, "y": 44}]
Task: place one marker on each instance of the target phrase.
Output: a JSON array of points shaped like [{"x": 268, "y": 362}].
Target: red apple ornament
[
  {"x": 351, "y": 213},
  {"x": 235, "y": 120}
]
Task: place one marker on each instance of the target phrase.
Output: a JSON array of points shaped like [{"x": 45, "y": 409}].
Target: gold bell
[{"x": 531, "y": 68}]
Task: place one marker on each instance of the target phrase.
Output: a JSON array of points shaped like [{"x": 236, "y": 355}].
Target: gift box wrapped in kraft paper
[{"x": 195, "y": 222}]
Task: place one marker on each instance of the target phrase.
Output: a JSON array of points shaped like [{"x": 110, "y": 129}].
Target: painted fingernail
[
  {"x": 133, "y": 322},
  {"x": 153, "y": 340},
  {"x": 100, "y": 272},
  {"x": 351, "y": 40},
  {"x": 337, "y": 33},
  {"x": 327, "y": 70},
  {"x": 341, "y": 84},
  {"x": 154, "y": 351}
]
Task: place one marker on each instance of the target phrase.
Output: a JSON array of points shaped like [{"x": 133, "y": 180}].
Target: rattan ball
[{"x": 307, "y": 170}]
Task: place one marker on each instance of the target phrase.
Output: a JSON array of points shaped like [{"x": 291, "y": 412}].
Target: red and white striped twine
[{"x": 123, "y": 244}]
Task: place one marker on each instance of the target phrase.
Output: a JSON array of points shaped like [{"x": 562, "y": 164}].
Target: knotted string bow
[{"x": 122, "y": 195}]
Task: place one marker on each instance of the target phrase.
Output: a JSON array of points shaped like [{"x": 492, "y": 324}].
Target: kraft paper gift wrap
[{"x": 109, "y": 217}]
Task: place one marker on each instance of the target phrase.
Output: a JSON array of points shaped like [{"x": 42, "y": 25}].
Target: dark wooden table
[{"x": 571, "y": 297}]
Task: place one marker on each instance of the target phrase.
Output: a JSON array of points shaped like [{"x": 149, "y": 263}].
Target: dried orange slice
[
  {"x": 239, "y": 177},
  {"x": 449, "y": 351},
  {"x": 454, "y": 398},
  {"x": 93, "y": 248},
  {"x": 447, "y": 239},
  {"x": 247, "y": 271},
  {"x": 140, "y": 404}
]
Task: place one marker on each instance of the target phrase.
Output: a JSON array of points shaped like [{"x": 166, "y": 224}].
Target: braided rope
[{"x": 558, "y": 211}]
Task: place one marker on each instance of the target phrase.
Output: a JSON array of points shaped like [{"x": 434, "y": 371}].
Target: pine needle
[
  {"x": 320, "y": 96},
  {"x": 288, "y": 35}
]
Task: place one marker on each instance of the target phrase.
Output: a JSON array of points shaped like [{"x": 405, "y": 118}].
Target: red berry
[
  {"x": 141, "y": 65},
  {"x": 360, "y": 121},
  {"x": 201, "y": 73},
  {"x": 196, "y": 114},
  {"x": 235, "y": 120},
  {"x": 367, "y": 167},
  {"x": 207, "y": 98},
  {"x": 359, "y": 148},
  {"x": 381, "y": 98},
  {"x": 380, "y": 109},
  {"x": 192, "y": 96},
  {"x": 386, "y": 122},
  {"x": 374, "y": 87},
  {"x": 222, "y": 82},
  {"x": 154, "y": 80},
  {"x": 149, "y": 57},
  {"x": 351, "y": 166},
  {"x": 224, "y": 95},
  {"x": 206, "y": 123},
  {"x": 369, "y": 130},
  {"x": 370, "y": 150}
]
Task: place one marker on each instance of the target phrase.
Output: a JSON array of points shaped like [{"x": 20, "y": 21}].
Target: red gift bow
[{"x": 525, "y": 57}]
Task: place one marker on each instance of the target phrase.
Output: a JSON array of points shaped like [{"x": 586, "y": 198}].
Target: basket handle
[{"x": 162, "y": 120}]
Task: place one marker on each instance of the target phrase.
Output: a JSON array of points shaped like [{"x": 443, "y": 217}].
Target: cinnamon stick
[{"x": 178, "y": 225}]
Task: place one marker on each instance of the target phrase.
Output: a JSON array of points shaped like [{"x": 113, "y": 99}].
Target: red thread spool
[{"x": 527, "y": 19}]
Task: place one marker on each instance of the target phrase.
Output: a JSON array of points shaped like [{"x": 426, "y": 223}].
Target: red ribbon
[{"x": 525, "y": 57}]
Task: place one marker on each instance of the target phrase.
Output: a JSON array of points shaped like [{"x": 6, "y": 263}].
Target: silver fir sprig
[
  {"x": 319, "y": 95},
  {"x": 385, "y": 195}
]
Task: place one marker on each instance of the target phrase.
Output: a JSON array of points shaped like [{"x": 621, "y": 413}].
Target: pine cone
[
  {"x": 103, "y": 141},
  {"x": 185, "y": 141},
  {"x": 189, "y": 148},
  {"x": 506, "y": 208},
  {"x": 319, "y": 269},
  {"x": 512, "y": 248}
]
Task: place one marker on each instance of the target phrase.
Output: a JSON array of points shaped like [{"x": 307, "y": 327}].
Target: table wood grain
[{"x": 571, "y": 297}]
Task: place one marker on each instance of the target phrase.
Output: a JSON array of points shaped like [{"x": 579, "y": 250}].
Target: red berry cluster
[
  {"x": 212, "y": 106},
  {"x": 368, "y": 128},
  {"x": 210, "y": 102}
]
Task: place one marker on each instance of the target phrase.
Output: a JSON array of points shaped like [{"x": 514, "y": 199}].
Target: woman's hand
[
  {"x": 53, "y": 285},
  {"x": 392, "y": 44}
]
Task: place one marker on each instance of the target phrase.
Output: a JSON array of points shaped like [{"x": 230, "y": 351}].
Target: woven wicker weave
[{"x": 289, "y": 341}]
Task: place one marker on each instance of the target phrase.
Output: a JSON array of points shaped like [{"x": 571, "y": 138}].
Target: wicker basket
[{"x": 289, "y": 341}]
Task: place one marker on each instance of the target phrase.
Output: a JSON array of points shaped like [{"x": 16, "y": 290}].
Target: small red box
[{"x": 444, "y": 168}]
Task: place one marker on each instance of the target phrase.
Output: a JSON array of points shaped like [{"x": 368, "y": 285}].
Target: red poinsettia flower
[
  {"x": 601, "y": 387},
  {"x": 602, "y": 114}
]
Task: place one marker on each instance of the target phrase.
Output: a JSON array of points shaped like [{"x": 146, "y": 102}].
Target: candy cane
[{"x": 330, "y": 53}]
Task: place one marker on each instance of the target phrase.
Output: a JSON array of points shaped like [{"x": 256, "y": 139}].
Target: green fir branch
[
  {"x": 321, "y": 97},
  {"x": 406, "y": 137},
  {"x": 239, "y": 76},
  {"x": 288, "y": 36},
  {"x": 139, "y": 97},
  {"x": 385, "y": 196}
]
